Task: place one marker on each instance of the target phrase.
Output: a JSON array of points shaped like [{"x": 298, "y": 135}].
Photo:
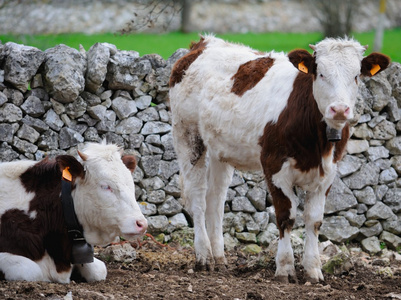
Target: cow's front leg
[
  {"x": 16, "y": 267},
  {"x": 285, "y": 205},
  {"x": 94, "y": 271},
  {"x": 313, "y": 217}
]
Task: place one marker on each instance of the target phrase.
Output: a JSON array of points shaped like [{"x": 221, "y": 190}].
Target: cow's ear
[
  {"x": 130, "y": 162},
  {"x": 374, "y": 63},
  {"x": 70, "y": 167},
  {"x": 302, "y": 60}
]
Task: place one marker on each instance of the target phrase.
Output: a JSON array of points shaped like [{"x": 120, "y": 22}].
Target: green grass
[{"x": 166, "y": 44}]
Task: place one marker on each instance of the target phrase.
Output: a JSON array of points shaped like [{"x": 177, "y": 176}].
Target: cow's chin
[{"x": 336, "y": 124}]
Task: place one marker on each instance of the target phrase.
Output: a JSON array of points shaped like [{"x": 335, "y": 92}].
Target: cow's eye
[
  {"x": 321, "y": 75},
  {"x": 106, "y": 187}
]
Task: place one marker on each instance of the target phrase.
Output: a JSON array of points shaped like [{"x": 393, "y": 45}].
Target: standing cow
[
  {"x": 52, "y": 211},
  {"x": 234, "y": 107}
]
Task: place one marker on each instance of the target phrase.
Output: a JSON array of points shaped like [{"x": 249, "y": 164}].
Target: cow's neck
[{"x": 81, "y": 252}]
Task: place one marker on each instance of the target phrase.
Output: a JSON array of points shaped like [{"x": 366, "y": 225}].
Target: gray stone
[
  {"x": 123, "y": 107},
  {"x": 28, "y": 133},
  {"x": 373, "y": 230},
  {"x": 357, "y": 146},
  {"x": 230, "y": 242},
  {"x": 33, "y": 107},
  {"x": 269, "y": 235},
  {"x": 155, "y": 127},
  {"x": 143, "y": 102},
  {"x": 3, "y": 98},
  {"x": 387, "y": 176},
  {"x": 394, "y": 145},
  {"x": 385, "y": 130},
  {"x": 21, "y": 64},
  {"x": 157, "y": 224},
  {"x": 329, "y": 229},
  {"x": 246, "y": 237},
  {"x": 257, "y": 196},
  {"x": 379, "y": 211},
  {"x": 135, "y": 140},
  {"x": 392, "y": 241},
  {"x": 36, "y": 124},
  {"x": 24, "y": 146},
  {"x": 121, "y": 252},
  {"x": 129, "y": 126},
  {"x": 348, "y": 165},
  {"x": 262, "y": 219},
  {"x": 371, "y": 245},
  {"x": 121, "y": 73},
  {"x": 77, "y": 108},
  {"x": 339, "y": 198},
  {"x": 353, "y": 217},
  {"x": 14, "y": 96},
  {"x": 374, "y": 153},
  {"x": 242, "y": 204},
  {"x": 7, "y": 153},
  {"x": 69, "y": 138},
  {"x": 381, "y": 91},
  {"x": 98, "y": 57},
  {"x": 156, "y": 197},
  {"x": 170, "y": 207},
  {"x": 149, "y": 114},
  {"x": 97, "y": 112},
  {"x": 63, "y": 73},
  {"x": 393, "y": 199},
  {"x": 380, "y": 191},
  {"x": 363, "y": 132},
  {"x": 53, "y": 120},
  {"x": 173, "y": 187},
  {"x": 48, "y": 140},
  {"x": 108, "y": 123},
  {"x": 6, "y": 132},
  {"x": 167, "y": 169},
  {"x": 367, "y": 175},
  {"x": 176, "y": 222},
  {"x": 91, "y": 99},
  {"x": 396, "y": 163},
  {"x": 366, "y": 195},
  {"x": 392, "y": 225},
  {"x": 150, "y": 165},
  {"x": 151, "y": 184},
  {"x": 393, "y": 110},
  {"x": 10, "y": 113},
  {"x": 148, "y": 209}
]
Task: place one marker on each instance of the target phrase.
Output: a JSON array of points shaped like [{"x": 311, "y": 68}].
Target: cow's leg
[
  {"x": 285, "y": 204},
  {"x": 219, "y": 178},
  {"x": 16, "y": 267},
  {"x": 191, "y": 156},
  {"x": 94, "y": 271},
  {"x": 313, "y": 217}
]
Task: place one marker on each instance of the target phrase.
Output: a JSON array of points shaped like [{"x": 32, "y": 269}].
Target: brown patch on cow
[
  {"x": 249, "y": 74},
  {"x": 31, "y": 238},
  {"x": 179, "y": 68},
  {"x": 195, "y": 142},
  {"x": 317, "y": 227},
  {"x": 374, "y": 59},
  {"x": 328, "y": 190}
]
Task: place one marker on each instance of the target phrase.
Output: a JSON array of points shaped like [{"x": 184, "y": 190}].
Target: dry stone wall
[{"x": 53, "y": 101}]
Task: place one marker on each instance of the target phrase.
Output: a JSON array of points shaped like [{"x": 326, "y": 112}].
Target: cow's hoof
[
  {"x": 312, "y": 280},
  {"x": 208, "y": 266}
]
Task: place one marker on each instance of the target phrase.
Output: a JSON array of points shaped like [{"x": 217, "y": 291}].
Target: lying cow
[
  {"x": 40, "y": 201},
  {"x": 234, "y": 107}
]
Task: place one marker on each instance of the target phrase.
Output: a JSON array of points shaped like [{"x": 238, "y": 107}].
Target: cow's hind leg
[
  {"x": 219, "y": 178},
  {"x": 16, "y": 267},
  {"x": 313, "y": 217},
  {"x": 191, "y": 155}
]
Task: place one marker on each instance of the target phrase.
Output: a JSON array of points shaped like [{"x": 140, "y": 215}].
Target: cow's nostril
[{"x": 141, "y": 225}]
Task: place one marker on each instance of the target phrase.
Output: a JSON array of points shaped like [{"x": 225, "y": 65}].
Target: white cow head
[
  {"x": 104, "y": 194},
  {"x": 336, "y": 65}
]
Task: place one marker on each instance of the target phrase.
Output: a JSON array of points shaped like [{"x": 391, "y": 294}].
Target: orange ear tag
[
  {"x": 66, "y": 174},
  {"x": 375, "y": 69},
  {"x": 302, "y": 67}
]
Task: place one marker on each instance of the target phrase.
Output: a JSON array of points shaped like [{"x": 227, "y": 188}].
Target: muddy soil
[{"x": 168, "y": 273}]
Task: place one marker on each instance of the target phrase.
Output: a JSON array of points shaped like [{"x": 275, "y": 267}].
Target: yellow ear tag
[
  {"x": 302, "y": 67},
  {"x": 375, "y": 69},
  {"x": 66, "y": 174}
]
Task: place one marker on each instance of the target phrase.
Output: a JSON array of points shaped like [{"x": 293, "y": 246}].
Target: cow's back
[{"x": 230, "y": 95}]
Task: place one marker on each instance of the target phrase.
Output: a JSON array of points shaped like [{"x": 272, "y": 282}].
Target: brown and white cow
[
  {"x": 36, "y": 243},
  {"x": 234, "y": 107}
]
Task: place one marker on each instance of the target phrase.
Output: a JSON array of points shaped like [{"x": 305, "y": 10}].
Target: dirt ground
[{"x": 168, "y": 273}]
